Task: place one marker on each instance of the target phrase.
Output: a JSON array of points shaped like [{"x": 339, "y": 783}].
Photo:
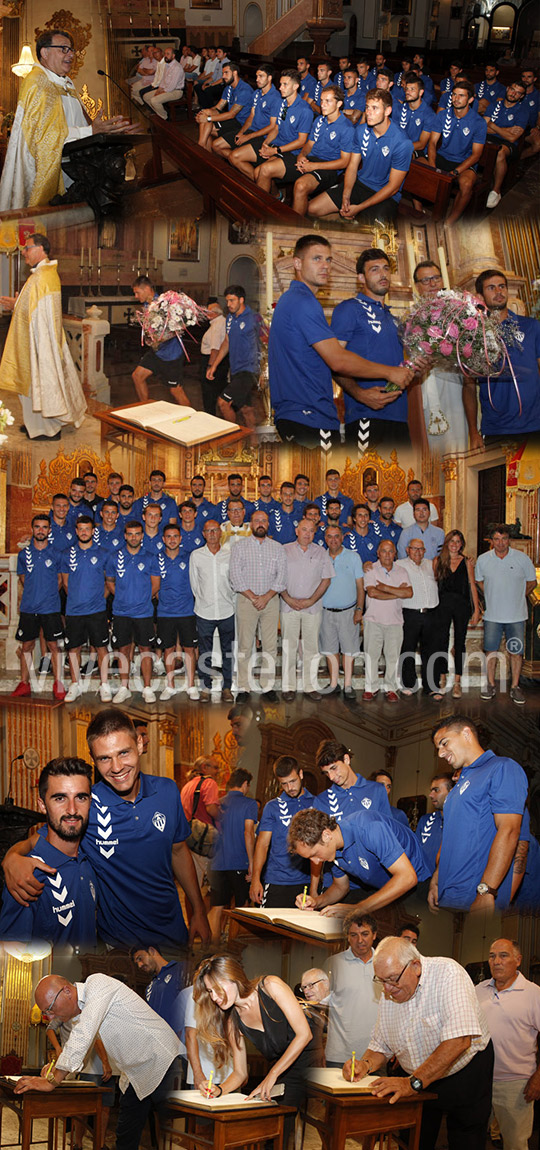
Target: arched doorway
[
  {"x": 245, "y": 271},
  {"x": 477, "y": 33},
  {"x": 527, "y": 34},
  {"x": 253, "y": 23},
  {"x": 502, "y": 26}
]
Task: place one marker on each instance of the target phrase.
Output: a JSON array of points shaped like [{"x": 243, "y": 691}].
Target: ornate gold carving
[
  {"x": 167, "y": 732},
  {"x": 450, "y": 468},
  {"x": 93, "y": 107},
  {"x": 227, "y": 751},
  {"x": 81, "y": 34},
  {"x": 234, "y": 453},
  {"x": 57, "y": 475},
  {"x": 390, "y": 476}
]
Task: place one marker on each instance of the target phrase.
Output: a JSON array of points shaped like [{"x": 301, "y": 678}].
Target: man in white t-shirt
[
  {"x": 354, "y": 996},
  {"x": 211, "y": 342},
  {"x": 505, "y": 577},
  {"x": 404, "y": 513}
]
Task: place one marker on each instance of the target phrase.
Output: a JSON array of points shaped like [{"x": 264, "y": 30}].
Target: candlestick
[
  {"x": 444, "y": 269},
  {"x": 155, "y": 263},
  {"x": 99, "y": 257},
  {"x": 147, "y": 260},
  {"x": 269, "y": 271},
  {"x": 82, "y": 256}
]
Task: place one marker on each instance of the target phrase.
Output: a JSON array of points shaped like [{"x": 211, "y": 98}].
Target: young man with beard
[
  {"x": 258, "y": 575},
  {"x": 507, "y": 119},
  {"x": 503, "y": 412},
  {"x": 83, "y": 567},
  {"x": 176, "y": 623},
  {"x": 279, "y": 152},
  {"x": 132, "y": 816},
  {"x": 414, "y": 116},
  {"x": 242, "y": 345},
  {"x": 65, "y": 914},
  {"x": 285, "y": 875},
  {"x": 262, "y": 119},
  {"x": 342, "y": 604},
  {"x": 457, "y": 143}
]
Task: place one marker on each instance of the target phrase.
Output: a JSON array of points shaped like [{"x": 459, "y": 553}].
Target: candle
[
  {"x": 155, "y": 263},
  {"x": 99, "y": 257},
  {"x": 139, "y": 258},
  {"x": 444, "y": 269},
  {"x": 82, "y": 257},
  {"x": 90, "y": 257},
  {"x": 150, "y": 6},
  {"x": 269, "y": 271},
  {"x": 147, "y": 258}
]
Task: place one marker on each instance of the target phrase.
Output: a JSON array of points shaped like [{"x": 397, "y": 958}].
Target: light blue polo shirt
[
  {"x": 491, "y": 785},
  {"x": 432, "y": 538},
  {"x": 342, "y": 589},
  {"x": 504, "y": 585},
  {"x": 380, "y": 154}
]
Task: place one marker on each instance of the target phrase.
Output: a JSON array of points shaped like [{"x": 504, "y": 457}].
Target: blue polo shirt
[
  {"x": 493, "y": 90},
  {"x": 429, "y": 834},
  {"x": 130, "y": 847},
  {"x": 371, "y": 845},
  {"x": 168, "y": 506},
  {"x": 432, "y": 538},
  {"x": 528, "y": 895},
  {"x": 241, "y": 94},
  {"x": 355, "y": 102},
  {"x": 380, "y": 154},
  {"x": 40, "y": 569},
  {"x": 65, "y": 912},
  {"x": 366, "y": 795},
  {"x": 364, "y": 83},
  {"x": 320, "y": 88},
  {"x": 370, "y": 330},
  {"x": 268, "y": 505},
  {"x": 175, "y": 595},
  {"x": 347, "y": 504},
  {"x": 299, "y": 322},
  {"x": 391, "y": 531},
  {"x": 108, "y": 540},
  {"x": 265, "y": 108},
  {"x": 153, "y": 543},
  {"x": 75, "y": 513},
  {"x": 364, "y": 545},
  {"x": 191, "y": 540},
  {"x": 459, "y": 134},
  {"x": 492, "y": 785},
  {"x": 446, "y": 84},
  {"x": 205, "y": 510},
  {"x": 414, "y": 122},
  {"x": 342, "y": 589},
  {"x": 446, "y": 102},
  {"x": 532, "y": 104},
  {"x": 85, "y": 568},
  {"x": 503, "y": 417},
  {"x": 308, "y": 86},
  {"x": 61, "y": 537},
  {"x": 163, "y": 994},
  {"x": 220, "y": 510},
  {"x": 125, "y": 517},
  {"x": 330, "y": 140},
  {"x": 283, "y": 868},
  {"x": 293, "y": 119},
  {"x": 133, "y": 586},
  {"x": 515, "y": 116},
  {"x": 230, "y": 850},
  {"x": 282, "y": 525},
  {"x": 244, "y": 344}
]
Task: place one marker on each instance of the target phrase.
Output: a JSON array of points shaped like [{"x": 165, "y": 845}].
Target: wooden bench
[
  {"x": 220, "y": 185},
  {"x": 425, "y": 183}
]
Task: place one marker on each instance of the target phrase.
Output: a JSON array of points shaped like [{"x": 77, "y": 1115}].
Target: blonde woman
[{"x": 230, "y": 1007}]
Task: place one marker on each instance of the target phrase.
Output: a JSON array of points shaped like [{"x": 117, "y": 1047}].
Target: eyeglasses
[
  {"x": 310, "y": 985},
  {"x": 65, "y": 49},
  {"x": 429, "y": 279},
  {"x": 49, "y": 1009},
  {"x": 392, "y": 981}
]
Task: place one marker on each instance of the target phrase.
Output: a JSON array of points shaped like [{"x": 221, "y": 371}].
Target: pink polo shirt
[
  {"x": 385, "y": 611},
  {"x": 513, "y": 1018}
]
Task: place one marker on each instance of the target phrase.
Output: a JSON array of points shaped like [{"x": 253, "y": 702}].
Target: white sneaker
[
  {"x": 193, "y": 693},
  {"x": 167, "y": 693},
  {"x": 159, "y": 667},
  {"x": 74, "y": 691},
  {"x": 105, "y": 693},
  {"x": 122, "y": 695},
  {"x": 493, "y": 199},
  {"x": 148, "y": 695}
]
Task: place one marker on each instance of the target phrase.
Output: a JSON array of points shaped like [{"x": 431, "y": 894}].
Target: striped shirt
[
  {"x": 258, "y": 567},
  {"x": 444, "y": 1006},
  {"x": 137, "y": 1040}
]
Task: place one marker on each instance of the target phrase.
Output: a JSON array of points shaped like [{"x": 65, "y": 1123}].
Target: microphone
[{"x": 140, "y": 108}]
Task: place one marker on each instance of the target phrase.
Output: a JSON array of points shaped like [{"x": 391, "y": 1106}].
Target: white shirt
[
  {"x": 169, "y": 75},
  {"x": 78, "y": 126},
  {"x": 209, "y": 578},
  {"x": 444, "y": 1006},
  {"x": 205, "y": 1052},
  {"x": 214, "y": 336},
  {"x": 404, "y": 514},
  {"x": 353, "y": 1005},
  {"x": 423, "y": 583},
  {"x": 142, "y": 1044}
]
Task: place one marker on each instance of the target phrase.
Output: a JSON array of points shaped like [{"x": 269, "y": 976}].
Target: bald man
[
  {"x": 315, "y": 985},
  {"x": 143, "y": 1045}
]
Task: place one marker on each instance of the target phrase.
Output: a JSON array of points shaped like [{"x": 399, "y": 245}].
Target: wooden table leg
[{"x": 26, "y": 1128}]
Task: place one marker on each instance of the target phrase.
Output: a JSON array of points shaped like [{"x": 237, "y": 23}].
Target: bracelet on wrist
[{"x": 220, "y": 1088}]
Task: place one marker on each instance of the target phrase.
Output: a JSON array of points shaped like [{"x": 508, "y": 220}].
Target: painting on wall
[
  {"x": 184, "y": 240},
  {"x": 208, "y": 4}
]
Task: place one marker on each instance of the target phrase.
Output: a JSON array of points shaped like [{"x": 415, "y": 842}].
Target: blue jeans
[{"x": 206, "y": 629}]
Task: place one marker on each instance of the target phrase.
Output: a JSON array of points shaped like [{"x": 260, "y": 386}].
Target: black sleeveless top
[
  {"x": 273, "y": 1041},
  {"x": 456, "y": 582}
]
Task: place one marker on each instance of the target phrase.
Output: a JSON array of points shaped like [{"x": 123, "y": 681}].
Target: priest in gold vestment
[{"x": 36, "y": 362}]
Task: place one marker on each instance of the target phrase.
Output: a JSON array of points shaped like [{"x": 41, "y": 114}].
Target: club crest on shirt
[
  {"x": 363, "y": 863},
  {"x": 140, "y": 566},
  {"x": 159, "y": 821},
  {"x": 366, "y": 803},
  {"x": 466, "y": 784},
  {"x": 466, "y": 131},
  {"x": 386, "y": 150}
]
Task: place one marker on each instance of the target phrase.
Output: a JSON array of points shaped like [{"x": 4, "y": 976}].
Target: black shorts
[
  {"x": 30, "y": 626},
  {"x": 92, "y": 629},
  {"x": 256, "y": 144},
  {"x": 305, "y": 436},
  {"x": 291, "y": 171},
  {"x": 445, "y": 165},
  {"x": 326, "y": 179},
  {"x": 126, "y": 630},
  {"x": 183, "y": 628},
  {"x": 228, "y": 129},
  {"x": 386, "y": 210},
  {"x": 512, "y": 145},
  {"x": 226, "y": 885},
  {"x": 238, "y": 391},
  {"x": 171, "y": 371},
  {"x": 276, "y": 895}
]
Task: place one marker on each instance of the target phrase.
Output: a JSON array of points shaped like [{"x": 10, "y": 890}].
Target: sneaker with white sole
[
  {"x": 167, "y": 693},
  {"x": 74, "y": 691},
  {"x": 193, "y": 693},
  {"x": 148, "y": 695},
  {"x": 488, "y": 691},
  {"x": 493, "y": 199},
  {"x": 105, "y": 693},
  {"x": 159, "y": 667},
  {"x": 517, "y": 696},
  {"x": 122, "y": 695}
]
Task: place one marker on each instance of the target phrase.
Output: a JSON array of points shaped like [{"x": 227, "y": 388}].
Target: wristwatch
[
  {"x": 483, "y": 888},
  {"x": 416, "y": 1083}
]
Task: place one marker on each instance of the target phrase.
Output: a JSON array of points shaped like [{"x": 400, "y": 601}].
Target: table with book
[
  {"x": 339, "y": 1110},
  {"x": 290, "y": 926},
  {"x": 139, "y": 424},
  {"x": 225, "y": 1122},
  {"x": 72, "y": 1099}
]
